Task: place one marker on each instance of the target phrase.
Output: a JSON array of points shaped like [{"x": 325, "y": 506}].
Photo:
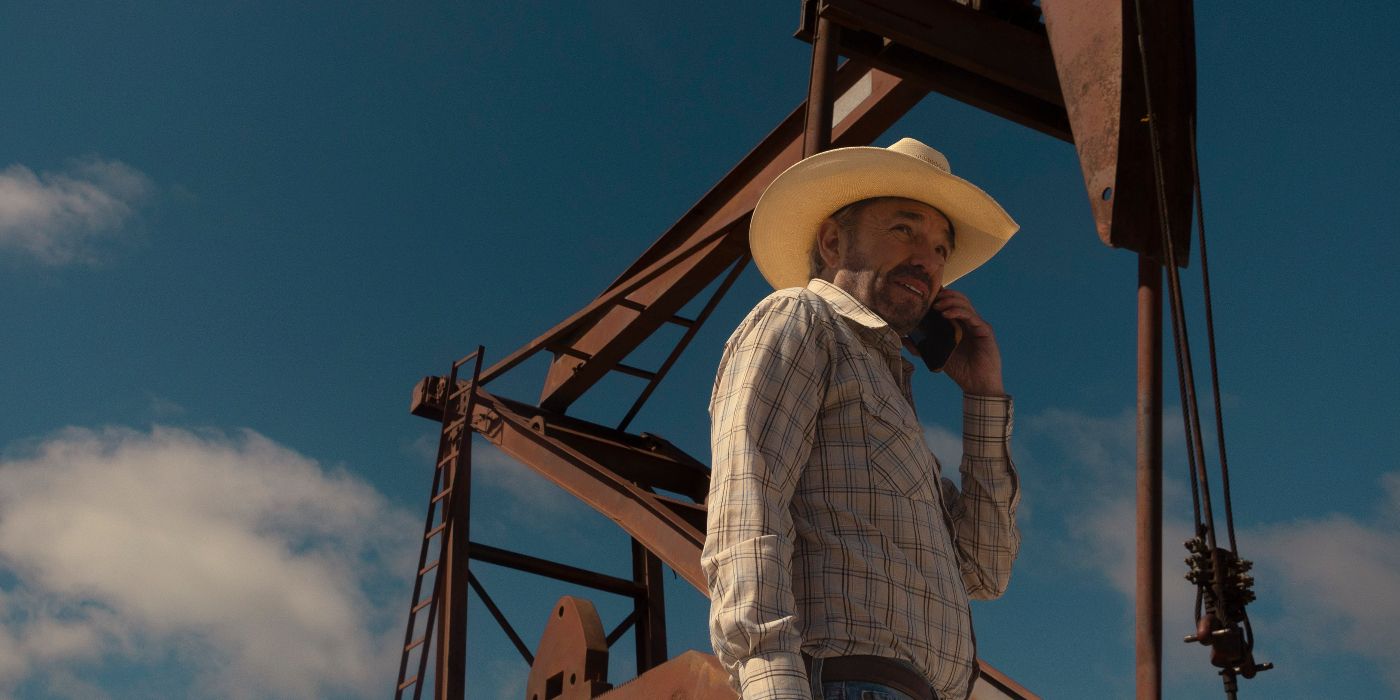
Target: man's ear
[{"x": 829, "y": 243}]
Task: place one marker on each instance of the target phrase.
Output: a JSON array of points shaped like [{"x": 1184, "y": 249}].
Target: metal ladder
[{"x": 453, "y": 460}]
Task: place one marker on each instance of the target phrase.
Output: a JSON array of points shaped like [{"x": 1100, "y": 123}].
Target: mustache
[{"x": 913, "y": 271}]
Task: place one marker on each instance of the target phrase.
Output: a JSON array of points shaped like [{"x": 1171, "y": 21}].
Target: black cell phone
[{"x": 935, "y": 338}]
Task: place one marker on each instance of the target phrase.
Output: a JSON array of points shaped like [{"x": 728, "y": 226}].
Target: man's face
[{"x": 894, "y": 261}]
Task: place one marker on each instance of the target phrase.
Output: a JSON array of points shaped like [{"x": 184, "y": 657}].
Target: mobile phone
[{"x": 935, "y": 338}]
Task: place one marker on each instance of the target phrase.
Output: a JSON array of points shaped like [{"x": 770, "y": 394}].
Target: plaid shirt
[{"x": 829, "y": 520}]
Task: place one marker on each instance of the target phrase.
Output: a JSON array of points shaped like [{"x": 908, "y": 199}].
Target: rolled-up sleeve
[
  {"x": 983, "y": 515},
  {"x": 767, "y": 394}
]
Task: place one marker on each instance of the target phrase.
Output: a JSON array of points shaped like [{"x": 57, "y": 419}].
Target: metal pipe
[
  {"x": 454, "y": 566},
  {"x": 649, "y": 608},
  {"x": 555, "y": 570},
  {"x": 817, "y": 137},
  {"x": 1149, "y": 479}
]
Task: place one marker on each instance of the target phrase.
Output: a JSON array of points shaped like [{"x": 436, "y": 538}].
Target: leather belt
[{"x": 874, "y": 669}]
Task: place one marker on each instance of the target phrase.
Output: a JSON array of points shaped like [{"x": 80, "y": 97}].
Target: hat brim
[{"x": 790, "y": 212}]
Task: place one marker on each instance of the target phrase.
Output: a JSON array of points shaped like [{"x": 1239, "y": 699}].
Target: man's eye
[{"x": 902, "y": 231}]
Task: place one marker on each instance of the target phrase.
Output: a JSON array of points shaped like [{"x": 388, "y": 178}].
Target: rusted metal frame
[
  {"x": 1148, "y": 603},
  {"x": 454, "y": 564},
  {"x": 454, "y": 425},
  {"x": 415, "y": 604},
  {"x": 619, "y": 367},
  {"x": 500, "y": 619},
  {"x": 648, "y": 469},
  {"x": 693, "y": 513},
  {"x": 620, "y": 330},
  {"x": 775, "y": 153},
  {"x": 622, "y": 628},
  {"x": 959, "y": 84},
  {"x": 817, "y": 133},
  {"x": 648, "y": 460},
  {"x": 636, "y": 511},
  {"x": 1030, "y": 109},
  {"x": 650, "y": 608},
  {"x": 684, "y": 342},
  {"x": 1100, "y": 70},
  {"x": 555, "y": 570},
  {"x": 960, "y": 36},
  {"x": 613, "y": 297},
  {"x": 1004, "y": 683}
]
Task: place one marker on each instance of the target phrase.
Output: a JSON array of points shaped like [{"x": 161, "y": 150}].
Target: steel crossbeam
[
  {"x": 644, "y": 516},
  {"x": 951, "y": 49},
  {"x": 607, "y": 338}
]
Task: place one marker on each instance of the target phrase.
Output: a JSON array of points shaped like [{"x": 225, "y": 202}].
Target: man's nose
[{"x": 927, "y": 261}]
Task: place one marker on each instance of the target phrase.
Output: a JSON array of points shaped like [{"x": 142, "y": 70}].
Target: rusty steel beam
[
  {"x": 976, "y": 42},
  {"x": 995, "y": 685},
  {"x": 615, "y": 296},
  {"x": 648, "y": 460},
  {"x": 637, "y": 511},
  {"x": 959, "y": 84},
  {"x": 878, "y": 100},
  {"x": 690, "y": 676},
  {"x": 649, "y": 609},
  {"x": 974, "y": 80},
  {"x": 1149, "y": 480},
  {"x": 1095, "y": 44},
  {"x": 555, "y": 570},
  {"x": 817, "y": 136}
]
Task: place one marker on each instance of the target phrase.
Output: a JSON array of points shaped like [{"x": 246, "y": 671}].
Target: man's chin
[{"x": 902, "y": 318}]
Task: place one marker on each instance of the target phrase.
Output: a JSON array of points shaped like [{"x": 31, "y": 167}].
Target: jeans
[{"x": 860, "y": 690}]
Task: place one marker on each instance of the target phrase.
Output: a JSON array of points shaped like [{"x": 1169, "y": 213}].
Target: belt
[{"x": 873, "y": 669}]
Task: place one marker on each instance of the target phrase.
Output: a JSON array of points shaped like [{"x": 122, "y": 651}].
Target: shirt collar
[
  {"x": 846, "y": 305},
  {"x": 876, "y": 331}
]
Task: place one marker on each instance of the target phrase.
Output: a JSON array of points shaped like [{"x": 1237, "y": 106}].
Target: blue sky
[{"x": 233, "y": 236}]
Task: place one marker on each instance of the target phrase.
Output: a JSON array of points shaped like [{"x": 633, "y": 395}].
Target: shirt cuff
[
  {"x": 779, "y": 675},
  {"x": 986, "y": 425}
]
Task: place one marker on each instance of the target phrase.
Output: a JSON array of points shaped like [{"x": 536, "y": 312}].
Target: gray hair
[{"x": 845, "y": 219}]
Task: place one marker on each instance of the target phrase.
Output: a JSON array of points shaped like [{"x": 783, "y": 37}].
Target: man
[{"x": 838, "y": 559}]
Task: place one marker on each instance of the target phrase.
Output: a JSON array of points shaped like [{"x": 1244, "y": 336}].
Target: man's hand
[{"x": 975, "y": 364}]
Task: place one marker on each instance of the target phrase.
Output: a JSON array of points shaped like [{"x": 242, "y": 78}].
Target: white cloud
[
  {"x": 947, "y": 446},
  {"x": 1326, "y": 585},
  {"x": 1337, "y": 578},
  {"x": 61, "y": 217},
  {"x": 532, "y": 493},
  {"x": 250, "y": 564}
]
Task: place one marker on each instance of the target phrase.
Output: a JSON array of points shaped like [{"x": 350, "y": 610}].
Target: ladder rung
[
  {"x": 441, "y": 495},
  {"x": 638, "y": 306},
  {"x": 634, "y": 371},
  {"x": 414, "y": 643},
  {"x": 435, "y": 531},
  {"x": 431, "y": 565},
  {"x": 421, "y": 605},
  {"x": 570, "y": 351},
  {"x": 409, "y": 682}
]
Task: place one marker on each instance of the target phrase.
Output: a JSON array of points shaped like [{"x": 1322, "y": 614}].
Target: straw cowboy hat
[{"x": 788, "y": 215}]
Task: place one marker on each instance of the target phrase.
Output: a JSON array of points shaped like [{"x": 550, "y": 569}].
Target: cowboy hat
[{"x": 789, "y": 213}]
